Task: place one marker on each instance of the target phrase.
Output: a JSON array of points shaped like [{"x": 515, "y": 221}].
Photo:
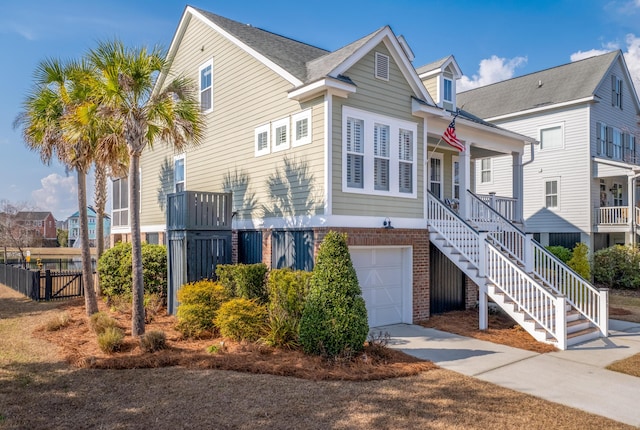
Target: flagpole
[{"x": 440, "y": 140}]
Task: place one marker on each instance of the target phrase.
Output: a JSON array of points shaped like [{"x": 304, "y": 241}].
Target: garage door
[{"x": 385, "y": 279}]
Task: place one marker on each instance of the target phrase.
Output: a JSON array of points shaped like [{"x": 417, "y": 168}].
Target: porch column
[
  {"x": 630, "y": 239},
  {"x": 465, "y": 181},
  {"x": 517, "y": 191}
]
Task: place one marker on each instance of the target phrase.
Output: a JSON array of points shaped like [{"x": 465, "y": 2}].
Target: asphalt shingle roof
[{"x": 572, "y": 81}]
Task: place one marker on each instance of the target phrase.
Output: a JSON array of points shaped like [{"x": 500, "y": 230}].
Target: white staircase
[{"x": 548, "y": 299}]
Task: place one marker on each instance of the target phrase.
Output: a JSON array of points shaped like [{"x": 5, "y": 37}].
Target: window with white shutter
[
  {"x": 381, "y": 66},
  {"x": 280, "y": 134},
  {"x": 355, "y": 153},
  {"x": 262, "y": 140},
  {"x": 301, "y": 131},
  {"x": 381, "y": 156},
  {"x": 405, "y": 157}
]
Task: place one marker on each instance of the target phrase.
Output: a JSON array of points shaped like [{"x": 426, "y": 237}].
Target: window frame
[
  {"x": 369, "y": 119},
  {"x": 547, "y": 195},
  {"x": 265, "y": 128},
  {"x": 549, "y": 127},
  {"x": 177, "y": 159},
  {"x": 440, "y": 157},
  {"x": 301, "y": 116},
  {"x": 275, "y": 125},
  {"x": 117, "y": 207},
  {"x": 488, "y": 170},
  {"x": 455, "y": 181},
  {"x": 617, "y": 144},
  {"x": 444, "y": 90},
  {"x": 208, "y": 63}
]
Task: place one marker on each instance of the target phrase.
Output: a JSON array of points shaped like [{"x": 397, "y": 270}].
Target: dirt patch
[
  {"x": 78, "y": 346},
  {"x": 624, "y": 305},
  {"x": 502, "y": 329}
]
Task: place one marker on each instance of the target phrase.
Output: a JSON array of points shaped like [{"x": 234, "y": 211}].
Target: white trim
[
  {"x": 261, "y": 58},
  {"x": 266, "y": 128},
  {"x": 455, "y": 159},
  {"x": 301, "y": 116},
  {"x": 350, "y": 221},
  {"x": 395, "y": 125},
  {"x": 549, "y": 127},
  {"x": 541, "y": 109},
  {"x": 208, "y": 63},
  {"x": 184, "y": 173},
  {"x": 155, "y": 228},
  {"x": 335, "y": 86},
  {"x": 558, "y": 193},
  {"x": 275, "y": 125},
  {"x": 437, "y": 156},
  {"x": 383, "y": 73},
  {"x": 328, "y": 153},
  {"x": 490, "y": 170}
]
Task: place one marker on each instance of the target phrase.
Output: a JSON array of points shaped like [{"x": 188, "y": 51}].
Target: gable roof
[
  {"x": 439, "y": 66},
  {"x": 32, "y": 215},
  {"x": 570, "y": 82}
]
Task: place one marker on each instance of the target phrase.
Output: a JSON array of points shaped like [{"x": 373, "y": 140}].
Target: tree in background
[
  {"x": 146, "y": 112},
  {"x": 13, "y": 232},
  {"x": 63, "y": 237}
]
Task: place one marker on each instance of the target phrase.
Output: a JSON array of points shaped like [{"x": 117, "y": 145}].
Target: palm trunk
[
  {"x": 100, "y": 200},
  {"x": 137, "y": 287},
  {"x": 90, "y": 300}
]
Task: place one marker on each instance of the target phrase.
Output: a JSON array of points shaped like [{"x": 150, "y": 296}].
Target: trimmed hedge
[
  {"x": 241, "y": 319},
  {"x": 334, "y": 320},
  {"x": 617, "y": 267},
  {"x": 244, "y": 280},
  {"x": 199, "y": 302}
]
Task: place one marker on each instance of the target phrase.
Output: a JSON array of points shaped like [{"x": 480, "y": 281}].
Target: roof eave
[
  {"x": 588, "y": 99},
  {"x": 331, "y": 85}
]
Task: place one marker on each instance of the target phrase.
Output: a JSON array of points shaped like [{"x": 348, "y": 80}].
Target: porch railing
[
  {"x": 614, "y": 215},
  {"x": 505, "y": 206}
]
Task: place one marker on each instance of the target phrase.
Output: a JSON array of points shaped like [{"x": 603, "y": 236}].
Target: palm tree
[
  {"x": 168, "y": 112},
  {"x": 58, "y": 120}
]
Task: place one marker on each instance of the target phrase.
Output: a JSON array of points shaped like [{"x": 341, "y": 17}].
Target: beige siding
[
  {"x": 432, "y": 87},
  {"x": 246, "y": 94},
  {"x": 390, "y": 98}
]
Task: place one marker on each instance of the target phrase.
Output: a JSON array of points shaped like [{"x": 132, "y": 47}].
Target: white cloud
[
  {"x": 581, "y": 55},
  {"x": 491, "y": 70},
  {"x": 59, "y": 195}
]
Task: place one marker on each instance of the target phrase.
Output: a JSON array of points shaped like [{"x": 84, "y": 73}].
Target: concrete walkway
[{"x": 576, "y": 377}]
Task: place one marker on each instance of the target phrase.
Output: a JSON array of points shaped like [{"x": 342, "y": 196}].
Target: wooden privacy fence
[{"x": 43, "y": 285}]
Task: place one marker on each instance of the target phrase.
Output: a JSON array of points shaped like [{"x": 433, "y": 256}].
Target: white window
[
  {"x": 178, "y": 173},
  {"x": 381, "y": 157},
  {"x": 435, "y": 174},
  {"x": 616, "y": 190},
  {"x": 379, "y": 154},
  {"x": 301, "y": 131},
  {"x": 120, "y": 202},
  {"x": 280, "y": 134},
  {"x": 551, "y": 193},
  {"x": 262, "y": 135},
  {"x": 616, "y": 94},
  {"x": 455, "y": 177},
  {"x": 486, "y": 176},
  {"x": 381, "y": 66},
  {"x": 355, "y": 152},
  {"x": 206, "y": 87},
  {"x": 447, "y": 93},
  {"x": 617, "y": 144},
  {"x": 551, "y": 137}
]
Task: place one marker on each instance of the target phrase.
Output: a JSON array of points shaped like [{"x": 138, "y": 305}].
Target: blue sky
[{"x": 491, "y": 40}]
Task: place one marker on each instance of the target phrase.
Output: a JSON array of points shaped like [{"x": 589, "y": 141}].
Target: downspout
[{"x": 533, "y": 154}]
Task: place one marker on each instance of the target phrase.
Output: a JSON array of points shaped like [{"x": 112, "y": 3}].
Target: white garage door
[{"x": 384, "y": 276}]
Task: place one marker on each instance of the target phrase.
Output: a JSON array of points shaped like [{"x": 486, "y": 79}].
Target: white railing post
[
  {"x": 561, "y": 322},
  {"x": 604, "y": 311},
  {"x": 492, "y": 200},
  {"x": 483, "y": 311},
  {"x": 528, "y": 253},
  {"x": 482, "y": 254}
]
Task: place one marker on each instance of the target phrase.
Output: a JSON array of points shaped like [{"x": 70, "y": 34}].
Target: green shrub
[
  {"x": 114, "y": 270},
  {"x": 244, "y": 280},
  {"x": 617, "y": 267},
  {"x": 579, "y": 262},
  {"x": 241, "y": 319},
  {"x": 100, "y": 322},
  {"x": 564, "y": 254},
  {"x": 199, "y": 302},
  {"x": 111, "y": 339},
  {"x": 153, "y": 341},
  {"x": 334, "y": 320},
  {"x": 288, "y": 290}
]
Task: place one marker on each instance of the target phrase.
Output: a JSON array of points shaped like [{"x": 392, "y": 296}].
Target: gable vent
[{"x": 382, "y": 66}]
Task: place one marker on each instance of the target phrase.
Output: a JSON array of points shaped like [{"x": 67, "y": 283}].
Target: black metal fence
[{"x": 42, "y": 285}]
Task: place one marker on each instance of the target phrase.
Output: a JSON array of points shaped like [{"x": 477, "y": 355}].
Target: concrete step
[{"x": 583, "y": 336}]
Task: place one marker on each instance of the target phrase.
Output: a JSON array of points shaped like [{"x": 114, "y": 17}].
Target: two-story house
[
  {"x": 73, "y": 223},
  {"x": 310, "y": 140},
  {"x": 43, "y": 224},
  {"x": 580, "y": 186}
]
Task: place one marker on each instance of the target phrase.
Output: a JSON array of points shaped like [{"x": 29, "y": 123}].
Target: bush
[
  {"x": 153, "y": 341},
  {"x": 579, "y": 262},
  {"x": 111, "y": 339},
  {"x": 244, "y": 280},
  {"x": 58, "y": 322},
  {"x": 241, "y": 319},
  {"x": 100, "y": 322},
  {"x": 334, "y": 320},
  {"x": 288, "y": 290},
  {"x": 114, "y": 270},
  {"x": 199, "y": 302},
  {"x": 564, "y": 254},
  {"x": 617, "y": 267}
]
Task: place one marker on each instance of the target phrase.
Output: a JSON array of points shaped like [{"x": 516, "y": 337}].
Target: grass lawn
[
  {"x": 625, "y": 305},
  {"x": 39, "y": 389}
]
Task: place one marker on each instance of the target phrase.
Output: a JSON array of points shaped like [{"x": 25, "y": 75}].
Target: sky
[{"x": 491, "y": 41}]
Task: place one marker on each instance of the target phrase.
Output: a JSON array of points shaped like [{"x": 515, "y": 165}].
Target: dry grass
[
  {"x": 624, "y": 305},
  {"x": 38, "y": 390},
  {"x": 630, "y": 366}
]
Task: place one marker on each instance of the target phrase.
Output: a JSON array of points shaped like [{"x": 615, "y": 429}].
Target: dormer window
[{"x": 447, "y": 91}]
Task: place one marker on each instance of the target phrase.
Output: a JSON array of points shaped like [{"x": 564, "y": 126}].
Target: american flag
[{"x": 449, "y": 136}]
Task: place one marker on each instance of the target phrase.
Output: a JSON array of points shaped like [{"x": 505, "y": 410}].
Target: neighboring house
[
  {"x": 43, "y": 223},
  {"x": 309, "y": 141},
  {"x": 74, "y": 227},
  {"x": 581, "y": 185}
]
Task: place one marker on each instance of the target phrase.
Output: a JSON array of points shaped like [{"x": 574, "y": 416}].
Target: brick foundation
[{"x": 470, "y": 293}]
